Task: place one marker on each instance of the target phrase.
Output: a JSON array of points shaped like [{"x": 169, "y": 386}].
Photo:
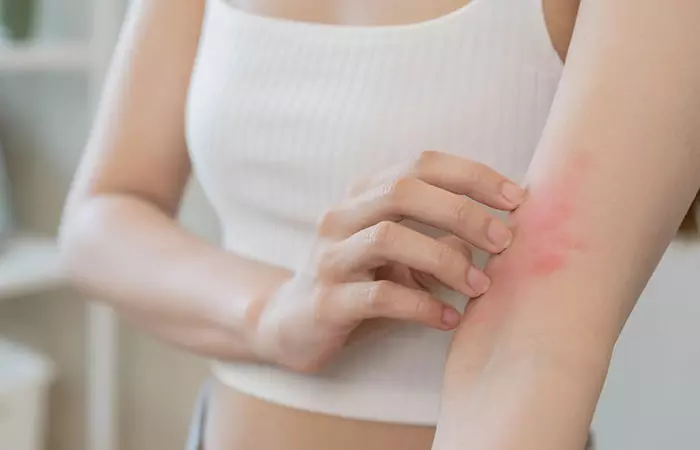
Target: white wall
[
  {"x": 43, "y": 122},
  {"x": 652, "y": 397},
  {"x": 42, "y": 144},
  {"x": 43, "y": 125}
]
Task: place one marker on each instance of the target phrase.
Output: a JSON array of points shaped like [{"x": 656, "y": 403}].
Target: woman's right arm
[{"x": 119, "y": 237}]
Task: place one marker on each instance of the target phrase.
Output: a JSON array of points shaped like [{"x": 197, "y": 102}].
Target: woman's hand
[{"x": 367, "y": 265}]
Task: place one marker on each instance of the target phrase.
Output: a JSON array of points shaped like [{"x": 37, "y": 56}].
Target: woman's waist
[
  {"x": 393, "y": 372},
  {"x": 244, "y": 422}
]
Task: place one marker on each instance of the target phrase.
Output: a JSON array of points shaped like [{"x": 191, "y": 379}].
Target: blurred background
[
  {"x": 108, "y": 387},
  {"x": 72, "y": 377}
]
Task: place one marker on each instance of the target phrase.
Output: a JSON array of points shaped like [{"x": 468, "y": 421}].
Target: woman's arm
[
  {"x": 119, "y": 236},
  {"x": 615, "y": 172}
]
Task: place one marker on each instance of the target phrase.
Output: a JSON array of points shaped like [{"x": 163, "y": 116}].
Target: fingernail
[
  {"x": 513, "y": 193},
  {"x": 478, "y": 280},
  {"x": 499, "y": 234},
  {"x": 450, "y": 317}
]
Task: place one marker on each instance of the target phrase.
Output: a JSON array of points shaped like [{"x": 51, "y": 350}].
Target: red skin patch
[
  {"x": 545, "y": 236},
  {"x": 545, "y": 232},
  {"x": 544, "y": 227}
]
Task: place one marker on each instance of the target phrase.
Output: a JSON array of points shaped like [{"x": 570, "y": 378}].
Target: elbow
[{"x": 79, "y": 240}]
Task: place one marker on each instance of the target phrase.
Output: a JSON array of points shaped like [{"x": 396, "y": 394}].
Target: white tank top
[{"x": 284, "y": 115}]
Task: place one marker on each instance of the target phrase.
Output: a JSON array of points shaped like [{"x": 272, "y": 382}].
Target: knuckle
[
  {"x": 458, "y": 245},
  {"x": 322, "y": 259},
  {"x": 476, "y": 172},
  {"x": 426, "y": 160},
  {"x": 452, "y": 262},
  {"x": 398, "y": 190},
  {"x": 378, "y": 294},
  {"x": 324, "y": 293},
  {"x": 463, "y": 212},
  {"x": 381, "y": 235},
  {"x": 328, "y": 222},
  {"x": 423, "y": 308},
  {"x": 446, "y": 257}
]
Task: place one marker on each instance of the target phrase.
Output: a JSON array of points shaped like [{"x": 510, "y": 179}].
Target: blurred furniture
[
  {"x": 6, "y": 219},
  {"x": 45, "y": 56},
  {"x": 24, "y": 383},
  {"x": 30, "y": 263}
]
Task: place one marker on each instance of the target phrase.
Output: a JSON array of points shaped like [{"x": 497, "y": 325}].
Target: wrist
[
  {"x": 237, "y": 292},
  {"x": 251, "y": 329},
  {"x": 258, "y": 335}
]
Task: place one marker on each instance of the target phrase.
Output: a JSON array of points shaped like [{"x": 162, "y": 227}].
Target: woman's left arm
[{"x": 616, "y": 169}]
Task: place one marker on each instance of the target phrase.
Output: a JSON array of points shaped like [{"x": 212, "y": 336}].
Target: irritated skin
[
  {"x": 550, "y": 238},
  {"x": 545, "y": 229},
  {"x": 547, "y": 237}
]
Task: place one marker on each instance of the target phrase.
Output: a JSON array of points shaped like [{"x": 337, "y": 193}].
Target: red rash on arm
[
  {"x": 545, "y": 229},
  {"x": 545, "y": 239}
]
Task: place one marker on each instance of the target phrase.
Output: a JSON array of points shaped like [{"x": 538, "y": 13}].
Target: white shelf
[
  {"x": 29, "y": 265},
  {"x": 44, "y": 56}
]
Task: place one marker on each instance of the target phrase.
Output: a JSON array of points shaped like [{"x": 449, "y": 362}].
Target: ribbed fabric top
[{"x": 283, "y": 116}]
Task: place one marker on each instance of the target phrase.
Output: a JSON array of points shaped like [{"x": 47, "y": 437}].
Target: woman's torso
[{"x": 284, "y": 114}]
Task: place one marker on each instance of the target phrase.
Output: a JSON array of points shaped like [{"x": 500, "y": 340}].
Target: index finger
[{"x": 460, "y": 176}]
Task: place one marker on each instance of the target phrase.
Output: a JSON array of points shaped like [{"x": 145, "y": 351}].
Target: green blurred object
[
  {"x": 6, "y": 222},
  {"x": 17, "y": 18}
]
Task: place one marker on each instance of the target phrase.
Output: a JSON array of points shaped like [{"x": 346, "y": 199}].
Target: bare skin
[
  {"x": 216, "y": 304},
  {"x": 615, "y": 171}
]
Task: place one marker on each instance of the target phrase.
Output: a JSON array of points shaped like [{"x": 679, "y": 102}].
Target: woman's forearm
[
  {"x": 200, "y": 297},
  {"x": 528, "y": 363},
  {"x": 523, "y": 402},
  {"x": 524, "y": 380}
]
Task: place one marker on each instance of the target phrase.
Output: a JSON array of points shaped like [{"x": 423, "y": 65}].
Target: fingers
[
  {"x": 427, "y": 281},
  {"x": 457, "y": 244},
  {"x": 457, "y": 175},
  {"x": 388, "y": 242},
  {"x": 384, "y": 299},
  {"x": 415, "y": 199}
]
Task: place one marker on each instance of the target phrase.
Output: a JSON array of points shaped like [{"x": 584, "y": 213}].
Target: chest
[
  {"x": 560, "y": 15},
  {"x": 282, "y": 117}
]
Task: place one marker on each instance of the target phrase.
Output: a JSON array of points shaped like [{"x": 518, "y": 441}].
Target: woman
[{"x": 313, "y": 127}]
